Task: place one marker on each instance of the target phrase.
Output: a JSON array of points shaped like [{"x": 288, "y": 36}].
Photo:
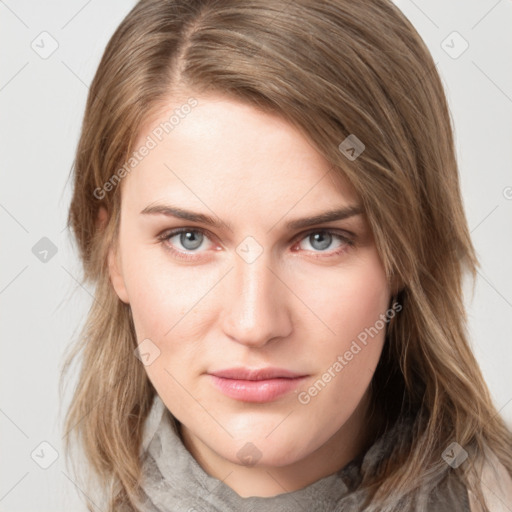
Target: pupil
[
  {"x": 190, "y": 240},
  {"x": 323, "y": 239}
]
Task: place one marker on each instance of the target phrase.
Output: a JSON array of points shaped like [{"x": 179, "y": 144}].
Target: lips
[
  {"x": 256, "y": 385},
  {"x": 256, "y": 374}
]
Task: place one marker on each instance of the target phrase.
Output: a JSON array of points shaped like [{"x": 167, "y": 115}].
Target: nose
[{"x": 257, "y": 304}]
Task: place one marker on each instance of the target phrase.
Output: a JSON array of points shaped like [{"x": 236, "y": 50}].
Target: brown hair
[{"x": 332, "y": 68}]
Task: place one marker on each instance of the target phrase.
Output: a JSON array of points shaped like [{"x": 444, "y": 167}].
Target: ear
[
  {"x": 116, "y": 275},
  {"x": 101, "y": 219},
  {"x": 114, "y": 261}
]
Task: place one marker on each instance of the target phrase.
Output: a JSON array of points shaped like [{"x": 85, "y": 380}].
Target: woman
[{"x": 266, "y": 197}]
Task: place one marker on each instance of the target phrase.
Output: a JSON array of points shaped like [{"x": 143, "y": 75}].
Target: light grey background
[{"x": 42, "y": 303}]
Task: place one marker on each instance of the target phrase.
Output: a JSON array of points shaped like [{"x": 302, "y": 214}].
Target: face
[{"x": 225, "y": 276}]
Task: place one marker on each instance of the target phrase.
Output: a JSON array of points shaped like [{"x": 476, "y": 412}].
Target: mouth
[{"x": 256, "y": 385}]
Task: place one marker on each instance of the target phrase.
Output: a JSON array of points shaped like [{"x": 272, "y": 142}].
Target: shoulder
[{"x": 496, "y": 487}]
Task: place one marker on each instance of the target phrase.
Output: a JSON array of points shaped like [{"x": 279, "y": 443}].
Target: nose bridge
[{"x": 257, "y": 309}]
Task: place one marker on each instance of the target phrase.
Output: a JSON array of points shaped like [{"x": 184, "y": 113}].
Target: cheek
[
  {"x": 161, "y": 295},
  {"x": 162, "y": 309},
  {"x": 351, "y": 303},
  {"x": 348, "y": 299},
  {"x": 167, "y": 307}
]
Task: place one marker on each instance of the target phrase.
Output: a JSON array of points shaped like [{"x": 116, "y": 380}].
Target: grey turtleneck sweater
[{"x": 173, "y": 481}]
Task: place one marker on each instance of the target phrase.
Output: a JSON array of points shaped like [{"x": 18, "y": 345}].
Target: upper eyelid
[{"x": 334, "y": 231}]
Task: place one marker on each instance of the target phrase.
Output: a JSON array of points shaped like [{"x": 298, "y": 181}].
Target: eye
[
  {"x": 322, "y": 240},
  {"x": 189, "y": 242},
  {"x": 190, "y": 239}
]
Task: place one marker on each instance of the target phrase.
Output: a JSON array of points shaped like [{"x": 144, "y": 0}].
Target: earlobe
[
  {"x": 102, "y": 217},
  {"x": 116, "y": 276},
  {"x": 114, "y": 267}
]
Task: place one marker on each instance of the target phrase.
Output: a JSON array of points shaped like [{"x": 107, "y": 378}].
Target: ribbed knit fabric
[{"x": 175, "y": 482}]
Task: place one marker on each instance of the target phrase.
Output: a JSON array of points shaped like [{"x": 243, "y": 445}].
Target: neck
[{"x": 352, "y": 439}]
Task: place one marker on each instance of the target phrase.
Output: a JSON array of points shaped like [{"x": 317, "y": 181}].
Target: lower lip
[{"x": 256, "y": 390}]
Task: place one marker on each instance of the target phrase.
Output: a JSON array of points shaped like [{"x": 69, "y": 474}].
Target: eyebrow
[{"x": 180, "y": 213}]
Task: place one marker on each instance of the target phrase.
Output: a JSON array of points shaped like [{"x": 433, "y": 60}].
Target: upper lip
[{"x": 256, "y": 373}]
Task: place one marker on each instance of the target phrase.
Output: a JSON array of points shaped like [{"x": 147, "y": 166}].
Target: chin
[{"x": 262, "y": 453}]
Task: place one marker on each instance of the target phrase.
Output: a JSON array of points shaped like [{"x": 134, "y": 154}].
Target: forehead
[{"x": 232, "y": 155}]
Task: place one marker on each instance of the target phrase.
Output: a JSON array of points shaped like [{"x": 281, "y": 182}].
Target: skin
[{"x": 297, "y": 306}]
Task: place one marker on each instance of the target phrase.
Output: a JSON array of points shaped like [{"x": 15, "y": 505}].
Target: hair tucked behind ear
[{"x": 332, "y": 68}]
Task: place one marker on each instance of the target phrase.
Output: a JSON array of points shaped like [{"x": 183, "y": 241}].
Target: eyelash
[{"x": 166, "y": 236}]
